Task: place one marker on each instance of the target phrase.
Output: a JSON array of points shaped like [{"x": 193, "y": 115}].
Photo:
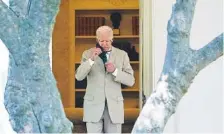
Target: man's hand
[
  {"x": 110, "y": 67},
  {"x": 95, "y": 53}
]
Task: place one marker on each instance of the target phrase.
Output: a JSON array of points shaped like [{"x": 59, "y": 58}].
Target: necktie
[{"x": 103, "y": 56}]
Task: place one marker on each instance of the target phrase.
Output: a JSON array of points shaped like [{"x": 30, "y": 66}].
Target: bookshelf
[{"x": 72, "y": 96}]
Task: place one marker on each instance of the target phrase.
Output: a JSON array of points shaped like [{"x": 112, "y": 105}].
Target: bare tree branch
[
  {"x": 9, "y": 27},
  {"x": 180, "y": 68},
  {"x": 179, "y": 25},
  {"x": 178, "y": 38},
  {"x": 209, "y": 53},
  {"x": 31, "y": 86},
  {"x": 19, "y": 7},
  {"x": 43, "y": 12}
]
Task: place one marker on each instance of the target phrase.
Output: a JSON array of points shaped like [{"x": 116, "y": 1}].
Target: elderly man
[{"x": 103, "y": 100}]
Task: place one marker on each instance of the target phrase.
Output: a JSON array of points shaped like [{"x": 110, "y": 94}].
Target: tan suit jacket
[{"x": 103, "y": 86}]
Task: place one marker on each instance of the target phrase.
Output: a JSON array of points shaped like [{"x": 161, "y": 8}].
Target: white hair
[{"x": 103, "y": 29}]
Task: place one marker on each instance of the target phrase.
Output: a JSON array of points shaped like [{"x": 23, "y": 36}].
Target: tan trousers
[{"x": 104, "y": 124}]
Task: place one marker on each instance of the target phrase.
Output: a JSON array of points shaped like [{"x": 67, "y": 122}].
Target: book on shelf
[
  {"x": 87, "y": 26},
  {"x": 135, "y": 25}
]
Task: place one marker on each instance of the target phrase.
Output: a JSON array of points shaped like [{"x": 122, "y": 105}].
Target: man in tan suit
[{"x": 103, "y": 100}]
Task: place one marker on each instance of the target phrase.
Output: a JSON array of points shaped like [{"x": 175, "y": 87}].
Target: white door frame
[{"x": 146, "y": 48}]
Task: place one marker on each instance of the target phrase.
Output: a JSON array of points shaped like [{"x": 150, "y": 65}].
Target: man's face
[{"x": 105, "y": 41}]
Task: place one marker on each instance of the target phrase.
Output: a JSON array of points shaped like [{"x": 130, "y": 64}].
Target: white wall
[
  {"x": 201, "y": 109},
  {"x": 5, "y": 126}
]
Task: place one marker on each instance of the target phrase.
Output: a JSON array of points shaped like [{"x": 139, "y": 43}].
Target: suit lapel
[{"x": 99, "y": 62}]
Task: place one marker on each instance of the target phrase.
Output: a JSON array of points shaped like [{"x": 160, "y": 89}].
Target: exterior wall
[{"x": 201, "y": 109}]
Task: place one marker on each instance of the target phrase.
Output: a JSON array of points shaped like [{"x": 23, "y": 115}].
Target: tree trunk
[
  {"x": 181, "y": 65},
  {"x": 31, "y": 96}
]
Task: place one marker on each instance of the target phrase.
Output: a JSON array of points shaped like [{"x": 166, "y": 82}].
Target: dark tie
[{"x": 103, "y": 56}]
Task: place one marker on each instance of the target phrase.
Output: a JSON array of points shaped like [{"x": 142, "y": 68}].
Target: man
[{"x": 103, "y": 101}]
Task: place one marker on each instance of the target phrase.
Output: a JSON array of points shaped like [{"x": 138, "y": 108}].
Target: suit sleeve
[
  {"x": 126, "y": 75},
  {"x": 84, "y": 68}
]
